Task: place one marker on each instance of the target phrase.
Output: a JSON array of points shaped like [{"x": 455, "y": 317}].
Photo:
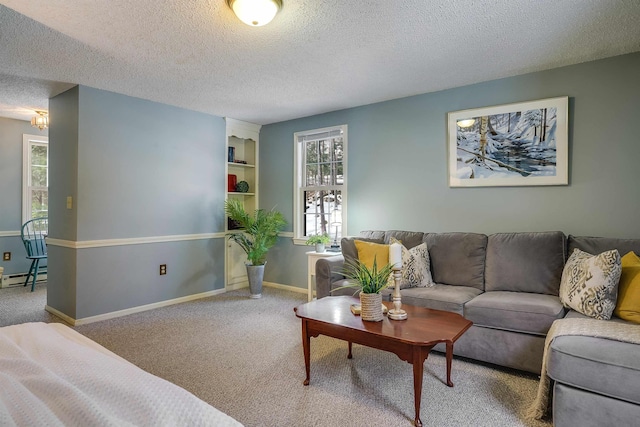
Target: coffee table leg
[
  {"x": 306, "y": 347},
  {"x": 418, "y": 367},
  {"x": 350, "y": 355},
  {"x": 449, "y": 358}
]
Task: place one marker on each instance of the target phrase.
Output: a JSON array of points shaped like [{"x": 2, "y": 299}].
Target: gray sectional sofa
[{"x": 508, "y": 285}]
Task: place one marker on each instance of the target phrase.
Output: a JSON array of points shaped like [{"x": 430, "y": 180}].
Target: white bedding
[{"x": 50, "y": 375}]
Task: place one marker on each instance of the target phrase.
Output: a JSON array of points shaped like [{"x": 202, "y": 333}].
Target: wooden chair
[{"x": 33, "y": 234}]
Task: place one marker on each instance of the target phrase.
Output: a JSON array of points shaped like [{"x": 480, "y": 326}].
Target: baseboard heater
[{"x": 17, "y": 279}]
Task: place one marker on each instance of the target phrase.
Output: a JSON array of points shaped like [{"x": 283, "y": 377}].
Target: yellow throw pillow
[
  {"x": 628, "y": 305},
  {"x": 368, "y": 251}
]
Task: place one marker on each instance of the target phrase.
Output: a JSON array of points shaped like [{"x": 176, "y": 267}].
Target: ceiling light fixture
[
  {"x": 255, "y": 13},
  {"x": 466, "y": 123},
  {"x": 41, "y": 121}
]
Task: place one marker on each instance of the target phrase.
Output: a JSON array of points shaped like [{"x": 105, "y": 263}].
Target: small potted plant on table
[
  {"x": 320, "y": 240},
  {"x": 370, "y": 282}
]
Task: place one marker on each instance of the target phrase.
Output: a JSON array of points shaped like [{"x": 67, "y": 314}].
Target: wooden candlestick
[{"x": 397, "y": 313}]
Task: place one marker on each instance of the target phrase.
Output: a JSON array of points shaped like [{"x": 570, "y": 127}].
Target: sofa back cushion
[
  {"x": 525, "y": 262},
  {"x": 373, "y": 234},
  {"x": 596, "y": 245},
  {"x": 409, "y": 239},
  {"x": 457, "y": 258}
]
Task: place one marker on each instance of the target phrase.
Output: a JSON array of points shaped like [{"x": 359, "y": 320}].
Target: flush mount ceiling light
[
  {"x": 255, "y": 13},
  {"x": 41, "y": 121},
  {"x": 466, "y": 123}
]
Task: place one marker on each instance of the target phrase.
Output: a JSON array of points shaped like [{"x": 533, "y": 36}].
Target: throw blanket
[
  {"x": 51, "y": 375},
  {"x": 577, "y": 326}
]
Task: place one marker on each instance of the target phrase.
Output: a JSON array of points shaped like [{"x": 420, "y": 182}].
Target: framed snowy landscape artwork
[{"x": 509, "y": 145}]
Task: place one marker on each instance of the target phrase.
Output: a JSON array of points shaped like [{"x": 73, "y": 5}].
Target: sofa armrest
[{"x": 328, "y": 270}]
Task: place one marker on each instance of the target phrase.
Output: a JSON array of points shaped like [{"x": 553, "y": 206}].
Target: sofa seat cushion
[
  {"x": 515, "y": 311},
  {"x": 607, "y": 367},
  {"x": 440, "y": 297}
]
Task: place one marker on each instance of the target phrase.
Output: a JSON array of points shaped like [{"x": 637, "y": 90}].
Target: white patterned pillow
[
  {"x": 589, "y": 283},
  {"x": 416, "y": 266}
]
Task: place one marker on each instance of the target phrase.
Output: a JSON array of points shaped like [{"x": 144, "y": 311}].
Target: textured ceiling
[{"x": 316, "y": 55}]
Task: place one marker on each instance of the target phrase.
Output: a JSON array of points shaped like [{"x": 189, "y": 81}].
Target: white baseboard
[
  {"x": 237, "y": 286},
  {"x": 112, "y": 315},
  {"x": 285, "y": 287},
  {"x": 132, "y": 310},
  {"x": 244, "y": 285}
]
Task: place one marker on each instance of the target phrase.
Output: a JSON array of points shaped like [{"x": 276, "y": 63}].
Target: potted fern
[
  {"x": 257, "y": 234},
  {"x": 320, "y": 240},
  {"x": 370, "y": 282}
]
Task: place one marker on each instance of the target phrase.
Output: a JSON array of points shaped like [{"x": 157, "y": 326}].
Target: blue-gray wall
[
  {"x": 397, "y": 162},
  {"x": 11, "y": 132},
  {"x": 138, "y": 169},
  {"x": 135, "y": 169}
]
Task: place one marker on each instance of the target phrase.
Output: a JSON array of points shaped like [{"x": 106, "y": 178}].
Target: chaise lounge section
[{"x": 596, "y": 380}]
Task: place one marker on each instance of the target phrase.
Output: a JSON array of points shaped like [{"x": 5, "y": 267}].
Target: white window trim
[
  {"x": 298, "y": 238},
  {"x": 26, "y": 169}
]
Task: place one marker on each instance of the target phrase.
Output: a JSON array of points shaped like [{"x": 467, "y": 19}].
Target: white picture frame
[{"x": 520, "y": 144}]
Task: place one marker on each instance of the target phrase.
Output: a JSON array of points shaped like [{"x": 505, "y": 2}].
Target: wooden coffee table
[{"x": 411, "y": 339}]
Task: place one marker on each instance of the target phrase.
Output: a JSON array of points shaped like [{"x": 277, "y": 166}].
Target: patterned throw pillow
[
  {"x": 416, "y": 266},
  {"x": 589, "y": 283}
]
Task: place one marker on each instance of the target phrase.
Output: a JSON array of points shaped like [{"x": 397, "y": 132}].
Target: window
[
  {"x": 320, "y": 200},
  {"x": 35, "y": 177}
]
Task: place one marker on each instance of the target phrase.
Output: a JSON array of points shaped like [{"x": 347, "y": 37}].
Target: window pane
[
  {"x": 38, "y": 165},
  {"x": 337, "y": 150},
  {"x": 39, "y": 155},
  {"x": 311, "y": 176},
  {"x": 325, "y": 174},
  {"x": 325, "y": 151},
  {"x": 311, "y": 152},
  {"x": 39, "y": 203},
  {"x": 323, "y": 213},
  {"x": 38, "y": 176}
]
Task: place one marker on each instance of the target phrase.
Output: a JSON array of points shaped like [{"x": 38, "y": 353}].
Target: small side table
[{"x": 312, "y": 257}]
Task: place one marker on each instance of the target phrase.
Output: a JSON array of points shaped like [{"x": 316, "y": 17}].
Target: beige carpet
[
  {"x": 19, "y": 305},
  {"x": 244, "y": 357}
]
